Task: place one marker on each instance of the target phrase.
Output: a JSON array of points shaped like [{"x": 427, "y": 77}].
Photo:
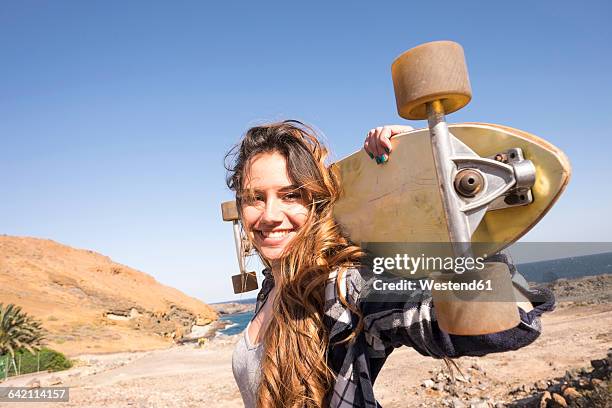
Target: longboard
[
  {"x": 471, "y": 188},
  {"x": 400, "y": 201}
]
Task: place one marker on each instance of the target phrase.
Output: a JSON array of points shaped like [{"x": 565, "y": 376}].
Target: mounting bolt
[
  {"x": 501, "y": 157},
  {"x": 468, "y": 182}
]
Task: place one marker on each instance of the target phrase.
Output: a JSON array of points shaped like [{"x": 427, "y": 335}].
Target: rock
[
  {"x": 202, "y": 321},
  {"x": 540, "y": 385},
  {"x": 457, "y": 403},
  {"x": 427, "y": 383},
  {"x": 516, "y": 390},
  {"x": 545, "y": 398},
  {"x": 438, "y": 386},
  {"x": 558, "y": 401},
  {"x": 54, "y": 381},
  {"x": 556, "y": 387},
  {"x": 526, "y": 388},
  {"x": 500, "y": 405},
  {"x": 198, "y": 332},
  {"x": 220, "y": 324},
  {"x": 479, "y": 404},
  {"x": 571, "y": 393},
  {"x": 233, "y": 307},
  {"x": 598, "y": 363},
  {"x": 464, "y": 379},
  {"x": 440, "y": 377},
  {"x": 596, "y": 382},
  {"x": 33, "y": 383}
]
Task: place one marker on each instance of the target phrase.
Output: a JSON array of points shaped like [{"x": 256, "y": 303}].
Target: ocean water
[
  {"x": 239, "y": 323},
  {"x": 539, "y": 272},
  {"x": 567, "y": 268}
]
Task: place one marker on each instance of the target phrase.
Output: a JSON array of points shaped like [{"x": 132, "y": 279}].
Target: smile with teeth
[{"x": 275, "y": 234}]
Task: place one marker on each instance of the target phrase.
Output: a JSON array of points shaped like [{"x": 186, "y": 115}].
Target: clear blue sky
[{"x": 115, "y": 116}]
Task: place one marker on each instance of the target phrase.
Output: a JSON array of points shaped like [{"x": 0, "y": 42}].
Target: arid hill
[{"x": 88, "y": 303}]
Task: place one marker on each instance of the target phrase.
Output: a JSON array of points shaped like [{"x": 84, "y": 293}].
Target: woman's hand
[{"x": 377, "y": 143}]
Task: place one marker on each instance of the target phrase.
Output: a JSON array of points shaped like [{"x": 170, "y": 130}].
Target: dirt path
[{"x": 190, "y": 377}]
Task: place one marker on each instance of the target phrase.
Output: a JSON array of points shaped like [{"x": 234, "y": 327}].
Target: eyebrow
[
  {"x": 291, "y": 187},
  {"x": 283, "y": 189}
]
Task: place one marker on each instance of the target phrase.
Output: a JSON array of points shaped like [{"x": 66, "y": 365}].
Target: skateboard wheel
[
  {"x": 229, "y": 211},
  {"x": 429, "y": 72},
  {"x": 472, "y": 313}
]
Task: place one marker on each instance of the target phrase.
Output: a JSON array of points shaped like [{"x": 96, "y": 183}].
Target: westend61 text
[
  {"x": 412, "y": 264},
  {"x": 430, "y": 284}
]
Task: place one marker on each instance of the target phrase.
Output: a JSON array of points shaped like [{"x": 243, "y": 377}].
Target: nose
[{"x": 273, "y": 213}]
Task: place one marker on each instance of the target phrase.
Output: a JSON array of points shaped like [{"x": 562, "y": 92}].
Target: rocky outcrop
[
  {"x": 233, "y": 307},
  {"x": 88, "y": 303},
  {"x": 203, "y": 332},
  {"x": 584, "y": 387},
  {"x": 587, "y": 290},
  {"x": 471, "y": 387}
]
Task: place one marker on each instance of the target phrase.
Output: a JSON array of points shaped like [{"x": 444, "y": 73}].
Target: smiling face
[{"x": 273, "y": 209}]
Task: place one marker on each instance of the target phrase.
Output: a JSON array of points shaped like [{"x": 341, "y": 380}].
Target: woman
[{"x": 314, "y": 340}]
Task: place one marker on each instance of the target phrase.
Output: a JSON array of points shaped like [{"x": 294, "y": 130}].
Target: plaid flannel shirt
[{"x": 388, "y": 325}]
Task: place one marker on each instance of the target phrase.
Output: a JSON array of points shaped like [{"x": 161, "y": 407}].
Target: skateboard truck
[
  {"x": 244, "y": 281},
  {"x": 430, "y": 81},
  {"x": 485, "y": 184},
  {"x": 524, "y": 171}
]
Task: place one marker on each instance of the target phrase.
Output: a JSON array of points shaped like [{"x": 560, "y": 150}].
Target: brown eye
[
  {"x": 292, "y": 196},
  {"x": 253, "y": 199}
]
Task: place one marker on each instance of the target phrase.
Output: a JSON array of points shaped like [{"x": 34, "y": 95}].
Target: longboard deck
[{"x": 400, "y": 201}]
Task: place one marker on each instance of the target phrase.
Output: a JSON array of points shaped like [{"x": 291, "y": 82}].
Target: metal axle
[{"x": 459, "y": 230}]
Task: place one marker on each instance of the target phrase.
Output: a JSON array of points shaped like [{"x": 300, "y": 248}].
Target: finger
[
  {"x": 397, "y": 129},
  {"x": 383, "y": 139},
  {"x": 369, "y": 139},
  {"x": 371, "y": 133},
  {"x": 366, "y": 147},
  {"x": 375, "y": 143}
]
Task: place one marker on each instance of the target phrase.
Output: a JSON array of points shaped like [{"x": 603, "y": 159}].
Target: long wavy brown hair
[{"x": 294, "y": 370}]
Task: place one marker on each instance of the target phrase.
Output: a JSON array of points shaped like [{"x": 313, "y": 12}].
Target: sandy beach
[{"x": 186, "y": 376}]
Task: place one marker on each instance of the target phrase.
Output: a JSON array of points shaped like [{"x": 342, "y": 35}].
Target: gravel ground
[{"x": 575, "y": 334}]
